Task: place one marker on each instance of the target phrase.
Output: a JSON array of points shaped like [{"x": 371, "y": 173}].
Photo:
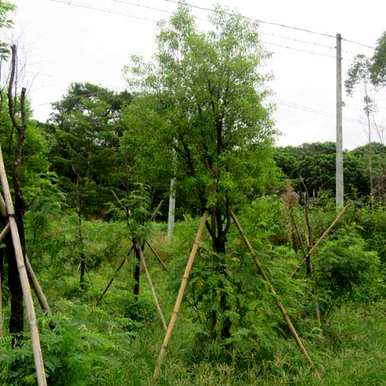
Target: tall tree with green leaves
[{"x": 204, "y": 98}]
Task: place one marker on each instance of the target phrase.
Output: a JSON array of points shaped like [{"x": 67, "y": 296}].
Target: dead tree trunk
[{"x": 19, "y": 125}]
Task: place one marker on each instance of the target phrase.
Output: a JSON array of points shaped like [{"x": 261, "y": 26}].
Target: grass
[{"x": 117, "y": 343}]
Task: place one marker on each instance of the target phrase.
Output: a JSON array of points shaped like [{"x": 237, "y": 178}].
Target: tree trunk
[
  {"x": 82, "y": 257},
  {"x": 16, "y": 321},
  {"x": 218, "y": 242},
  {"x": 137, "y": 269},
  {"x": 20, "y": 126},
  {"x": 1, "y": 290}
]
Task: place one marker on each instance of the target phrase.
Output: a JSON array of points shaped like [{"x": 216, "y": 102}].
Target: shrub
[{"x": 345, "y": 270}]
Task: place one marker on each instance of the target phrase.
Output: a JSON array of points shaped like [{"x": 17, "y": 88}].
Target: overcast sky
[{"x": 64, "y": 43}]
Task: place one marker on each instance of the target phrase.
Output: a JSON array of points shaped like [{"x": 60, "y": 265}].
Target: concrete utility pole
[
  {"x": 339, "y": 134},
  {"x": 172, "y": 208},
  {"x": 172, "y": 197}
]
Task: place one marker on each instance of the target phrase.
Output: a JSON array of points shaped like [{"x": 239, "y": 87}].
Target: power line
[
  {"x": 104, "y": 10},
  {"x": 297, "y": 40},
  {"x": 113, "y": 12},
  {"x": 358, "y": 43},
  {"x": 298, "y": 49},
  {"x": 324, "y": 113},
  {"x": 258, "y": 20},
  {"x": 142, "y": 6},
  {"x": 130, "y": 3},
  {"x": 281, "y": 25}
]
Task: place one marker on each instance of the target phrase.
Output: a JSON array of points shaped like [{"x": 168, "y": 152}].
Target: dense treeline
[{"x": 315, "y": 164}]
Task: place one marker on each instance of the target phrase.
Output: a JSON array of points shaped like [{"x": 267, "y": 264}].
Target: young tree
[
  {"x": 85, "y": 136},
  {"x": 204, "y": 98},
  {"x": 360, "y": 74}
]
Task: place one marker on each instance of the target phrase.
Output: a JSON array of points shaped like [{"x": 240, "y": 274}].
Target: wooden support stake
[
  {"x": 4, "y": 232},
  {"x": 181, "y": 292},
  {"x": 328, "y": 230},
  {"x": 1, "y": 293},
  {"x": 3, "y": 209},
  {"x": 27, "y": 295},
  {"x": 155, "y": 298},
  {"x": 157, "y": 256},
  {"x": 273, "y": 291},
  {"x": 31, "y": 275},
  {"x": 321, "y": 238},
  {"x": 37, "y": 287},
  {"x": 111, "y": 281}
]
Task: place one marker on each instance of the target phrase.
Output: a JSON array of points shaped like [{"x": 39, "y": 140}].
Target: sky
[{"x": 65, "y": 41}]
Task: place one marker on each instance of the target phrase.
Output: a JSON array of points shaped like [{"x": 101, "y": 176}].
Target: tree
[
  {"x": 204, "y": 99},
  {"x": 378, "y": 62},
  {"x": 208, "y": 104},
  {"x": 360, "y": 74},
  {"x": 315, "y": 164},
  {"x": 85, "y": 133}
]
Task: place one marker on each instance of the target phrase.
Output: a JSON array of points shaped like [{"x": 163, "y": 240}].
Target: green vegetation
[{"x": 93, "y": 182}]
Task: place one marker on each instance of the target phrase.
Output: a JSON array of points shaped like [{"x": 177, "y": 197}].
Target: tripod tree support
[
  {"x": 27, "y": 295},
  {"x": 155, "y": 298},
  {"x": 272, "y": 290},
  {"x": 180, "y": 296},
  {"x": 307, "y": 257}
]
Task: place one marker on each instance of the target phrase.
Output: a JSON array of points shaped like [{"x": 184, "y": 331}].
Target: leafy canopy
[{"x": 203, "y": 97}]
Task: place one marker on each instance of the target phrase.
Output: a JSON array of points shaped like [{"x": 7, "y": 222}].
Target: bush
[
  {"x": 75, "y": 351},
  {"x": 373, "y": 230},
  {"x": 345, "y": 270}
]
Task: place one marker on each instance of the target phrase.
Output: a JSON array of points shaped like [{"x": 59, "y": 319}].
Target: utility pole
[
  {"x": 172, "y": 197},
  {"x": 339, "y": 134},
  {"x": 172, "y": 208}
]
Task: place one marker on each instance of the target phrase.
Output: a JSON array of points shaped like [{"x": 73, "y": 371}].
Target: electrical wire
[
  {"x": 298, "y": 49},
  {"x": 104, "y": 10},
  {"x": 309, "y": 42},
  {"x": 113, "y": 12},
  {"x": 281, "y": 25},
  {"x": 130, "y": 3},
  {"x": 301, "y": 29},
  {"x": 358, "y": 43}
]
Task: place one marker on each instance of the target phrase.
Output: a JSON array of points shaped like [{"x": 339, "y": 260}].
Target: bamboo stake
[
  {"x": 328, "y": 230},
  {"x": 27, "y": 295},
  {"x": 37, "y": 287},
  {"x": 155, "y": 212},
  {"x": 157, "y": 256},
  {"x": 3, "y": 209},
  {"x": 273, "y": 291},
  {"x": 111, "y": 281},
  {"x": 4, "y": 232},
  {"x": 181, "y": 292},
  {"x": 321, "y": 238},
  {"x": 32, "y": 277},
  {"x": 1, "y": 294},
  {"x": 155, "y": 298}
]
